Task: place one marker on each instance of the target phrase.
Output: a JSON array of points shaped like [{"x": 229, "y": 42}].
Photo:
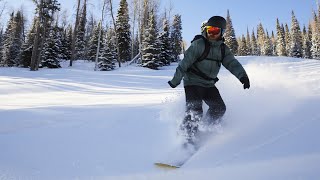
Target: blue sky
[{"x": 245, "y": 14}]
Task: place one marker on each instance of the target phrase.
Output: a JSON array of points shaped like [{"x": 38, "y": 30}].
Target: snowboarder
[{"x": 199, "y": 70}]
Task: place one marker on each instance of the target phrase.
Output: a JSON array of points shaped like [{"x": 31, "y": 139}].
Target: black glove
[
  {"x": 173, "y": 86},
  {"x": 245, "y": 81}
]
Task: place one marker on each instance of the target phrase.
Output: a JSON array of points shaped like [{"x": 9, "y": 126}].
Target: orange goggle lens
[{"x": 213, "y": 30}]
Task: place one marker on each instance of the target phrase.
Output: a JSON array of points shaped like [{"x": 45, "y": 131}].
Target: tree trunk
[
  {"x": 75, "y": 30},
  {"x": 34, "y": 65},
  {"x": 34, "y": 57}
]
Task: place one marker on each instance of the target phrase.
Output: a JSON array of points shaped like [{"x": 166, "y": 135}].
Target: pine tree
[
  {"x": 51, "y": 49},
  {"x": 230, "y": 36},
  {"x": 243, "y": 48},
  {"x": 7, "y": 41},
  {"x": 318, "y": 12},
  {"x": 108, "y": 55},
  {"x": 254, "y": 45},
  {"x": 248, "y": 42},
  {"x": 149, "y": 59},
  {"x": 45, "y": 10},
  {"x": 80, "y": 44},
  {"x": 27, "y": 47},
  {"x": 306, "y": 45},
  {"x": 273, "y": 44},
  {"x": 176, "y": 37},
  {"x": 267, "y": 45},
  {"x": 281, "y": 45},
  {"x": 123, "y": 32},
  {"x": 287, "y": 37},
  {"x": 261, "y": 39},
  {"x": 93, "y": 43},
  {"x": 296, "y": 38},
  {"x": 18, "y": 36},
  {"x": 164, "y": 55},
  {"x": 66, "y": 41},
  {"x": 13, "y": 39},
  {"x": 145, "y": 13},
  {"x": 315, "y": 49},
  {"x": 310, "y": 30},
  {"x": 1, "y": 45},
  {"x": 90, "y": 27}
]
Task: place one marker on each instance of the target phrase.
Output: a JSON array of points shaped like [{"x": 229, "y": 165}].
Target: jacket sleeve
[
  {"x": 190, "y": 56},
  {"x": 233, "y": 65}
]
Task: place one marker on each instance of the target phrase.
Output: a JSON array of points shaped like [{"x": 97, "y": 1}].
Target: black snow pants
[{"x": 194, "y": 112}]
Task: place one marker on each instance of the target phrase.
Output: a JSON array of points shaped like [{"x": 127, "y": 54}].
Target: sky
[{"x": 244, "y": 14}]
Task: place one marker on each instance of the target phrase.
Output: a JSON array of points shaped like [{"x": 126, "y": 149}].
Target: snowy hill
[{"x": 74, "y": 123}]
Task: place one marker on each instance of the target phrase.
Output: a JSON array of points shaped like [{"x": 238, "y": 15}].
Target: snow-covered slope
[{"x": 74, "y": 123}]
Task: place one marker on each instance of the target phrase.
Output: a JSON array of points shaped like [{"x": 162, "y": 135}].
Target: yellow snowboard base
[{"x": 166, "y": 166}]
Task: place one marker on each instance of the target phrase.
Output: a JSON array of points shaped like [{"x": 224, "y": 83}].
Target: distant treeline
[
  {"x": 292, "y": 42},
  {"x": 50, "y": 39}
]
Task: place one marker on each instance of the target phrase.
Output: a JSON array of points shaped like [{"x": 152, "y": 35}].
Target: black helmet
[{"x": 217, "y": 21}]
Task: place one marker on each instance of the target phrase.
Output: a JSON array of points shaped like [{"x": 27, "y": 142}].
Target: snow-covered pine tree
[
  {"x": 248, "y": 42},
  {"x": 7, "y": 42},
  {"x": 144, "y": 18},
  {"x": 315, "y": 49},
  {"x": 51, "y": 42},
  {"x": 267, "y": 45},
  {"x": 45, "y": 10},
  {"x": 254, "y": 46},
  {"x": 306, "y": 44},
  {"x": 123, "y": 32},
  {"x": 171, "y": 47},
  {"x": 66, "y": 40},
  {"x": 310, "y": 30},
  {"x": 261, "y": 39},
  {"x": 59, "y": 31},
  {"x": 176, "y": 36},
  {"x": 90, "y": 26},
  {"x": 93, "y": 43},
  {"x": 230, "y": 36},
  {"x": 287, "y": 38},
  {"x": 281, "y": 44},
  {"x": 9, "y": 52},
  {"x": 243, "y": 48},
  {"x": 1, "y": 44},
  {"x": 164, "y": 55},
  {"x": 51, "y": 49},
  {"x": 27, "y": 47},
  {"x": 18, "y": 36},
  {"x": 273, "y": 44},
  {"x": 80, "y": 43},
  {"x": 13, "y": 39},
  {"x": 108, "y": 54},
  {"x": 296, "y": 38},
  {"x": 149, "y": 58}
]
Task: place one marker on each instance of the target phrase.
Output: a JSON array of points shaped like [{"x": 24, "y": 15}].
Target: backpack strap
[
  {"x": 206, "y": 47},
  {"x": 223, "y": 51},
  {"x": 194, "y": 69}
]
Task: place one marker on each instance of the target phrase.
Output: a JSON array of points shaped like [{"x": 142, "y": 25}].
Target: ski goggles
[{"x": 214, "y": 30}]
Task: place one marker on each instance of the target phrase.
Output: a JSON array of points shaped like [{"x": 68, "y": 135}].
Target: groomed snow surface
[{"x": 75, "y": 123}]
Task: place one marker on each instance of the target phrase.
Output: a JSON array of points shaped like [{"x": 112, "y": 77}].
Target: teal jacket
[{"x": 210, "y": 66}]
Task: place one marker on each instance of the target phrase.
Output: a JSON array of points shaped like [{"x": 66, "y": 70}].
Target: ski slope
[{"x": 75, "y": 123}]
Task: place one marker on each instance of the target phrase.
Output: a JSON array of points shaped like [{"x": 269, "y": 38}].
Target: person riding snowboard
[{"x": 199, "y": 69}]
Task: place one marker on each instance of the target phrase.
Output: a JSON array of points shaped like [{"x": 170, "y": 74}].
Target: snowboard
[
  {"x": 178, "y": 157},
  {"x": 183, "y": 153}
]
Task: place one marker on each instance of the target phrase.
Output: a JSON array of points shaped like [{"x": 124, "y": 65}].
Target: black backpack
[{"x": 194, "y": 69}]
